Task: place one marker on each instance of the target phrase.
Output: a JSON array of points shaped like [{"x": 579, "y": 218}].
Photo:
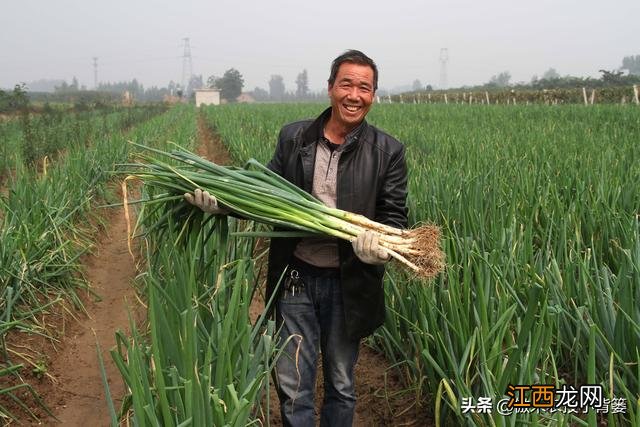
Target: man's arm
[
  {"x": 391, "y": 209},
  {"x": 276, "y": 162},
  {"x": 391, "y": 203}
]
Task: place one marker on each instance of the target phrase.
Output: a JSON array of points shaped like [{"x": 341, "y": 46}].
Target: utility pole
[
  {"x": 95, "y": 72},
  {"x": 187, "y": 66},
  {"x": 444, "y": 58}
]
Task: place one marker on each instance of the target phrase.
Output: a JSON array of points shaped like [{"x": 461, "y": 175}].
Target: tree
[
  {"x": 135, "y": 88},
  {"x": 550, "y": 74},
  {"x": 631, "y": 64},
  {"x": 195, "y": 83},
  {"x": 230, "y": 84},
  {"x": 417, "y": 85},
  {"x": 260, "y": 94},
  {"x": 302, "y": 83},
  {"x": 16, "y": 100},
  {"x": 500, "y": 80},
  {"x": 276, "y": 87},
  {"x": 611, "y": 77},
  {"x": 62, "y": 88},
  {"x": 212, "y": 82}
]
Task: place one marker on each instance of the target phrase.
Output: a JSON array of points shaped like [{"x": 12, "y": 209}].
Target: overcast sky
[{"x": 143, "y": 38}]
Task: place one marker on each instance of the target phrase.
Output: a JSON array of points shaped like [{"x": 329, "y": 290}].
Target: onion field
[
  {"x": 53, "y": 170},
  {"x": 539, "y": 207},
  {"x": 540, "y": 216}
]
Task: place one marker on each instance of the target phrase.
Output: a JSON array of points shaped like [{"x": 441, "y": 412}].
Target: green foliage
[
  {"x": 500, "y": 80},
  {"x": 522, "y": 95},
  {"x": 230, "y": 84},
  {"x": 201, "y": 362},
  {"x": 631, "y": 64},
  {"x": 16, "y": 100},
  {"x": 611, "y": 77},
  {"x": 51, "y": 132},
  {"x": 46, "y": 216},
  {"x": 212, "y": 82},
  {"x": 260, "y": 94},
  {"x": 68, "y": 88},
  {"x": 538, "y": 207},
  {"x": 92, "y": 99},
  {"x": 302, "y": 84},
  {"x": 276, "y": 87},
  {"x": 550, "y": 74}
]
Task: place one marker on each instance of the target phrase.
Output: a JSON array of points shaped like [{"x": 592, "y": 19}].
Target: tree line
[
  {"x": 232, "y": 82},
  {"x": 551, "y": 79},
  {"x": 231, "y": 85}
]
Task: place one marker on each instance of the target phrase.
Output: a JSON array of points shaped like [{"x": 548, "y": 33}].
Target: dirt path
[
  {"x": 71, "y": 386},
  {"x": 69, "y": 381},
  {"x": 110, "y": 271},
  {"x": 374, "y": 379}
]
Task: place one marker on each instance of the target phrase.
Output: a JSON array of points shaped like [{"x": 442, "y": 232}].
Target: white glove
[
  {"x": 205, "y": 201},
  {"x": 366, "y": 248}
]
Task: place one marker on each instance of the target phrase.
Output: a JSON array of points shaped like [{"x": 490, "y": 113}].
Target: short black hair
[{"x": 355, "y": 57}]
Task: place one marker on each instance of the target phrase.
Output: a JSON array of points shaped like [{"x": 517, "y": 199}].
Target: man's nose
[{"x": 353, "y": 93}]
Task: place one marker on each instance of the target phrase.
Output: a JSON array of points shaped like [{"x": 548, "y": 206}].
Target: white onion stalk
[{"x": 257, "y": 193}]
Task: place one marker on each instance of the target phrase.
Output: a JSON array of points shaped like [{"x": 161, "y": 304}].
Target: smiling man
[
  {"x": 332, "y": 295},
  {"x": 328, "y": 292}
]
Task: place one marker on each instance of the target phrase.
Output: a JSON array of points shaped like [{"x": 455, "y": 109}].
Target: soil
[
  {"x": 210, "y": 145},
  {"x": 110, "y": 271}
]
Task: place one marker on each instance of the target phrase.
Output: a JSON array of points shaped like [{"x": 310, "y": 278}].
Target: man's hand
[
  {"x": 366, "y": 248},
  {"x": 205, "y": 201}
]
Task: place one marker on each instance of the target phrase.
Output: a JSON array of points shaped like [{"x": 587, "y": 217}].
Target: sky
[{"x": 143, "y": 39}]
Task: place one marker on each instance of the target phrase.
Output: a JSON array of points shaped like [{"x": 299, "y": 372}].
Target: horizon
[{"x": 283, "y": 37}]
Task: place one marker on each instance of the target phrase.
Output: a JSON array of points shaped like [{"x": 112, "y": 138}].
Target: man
[{"x": 332, "y": 294}]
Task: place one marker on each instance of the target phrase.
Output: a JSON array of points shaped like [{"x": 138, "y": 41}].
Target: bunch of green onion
[{"x": 257, "y": 193}]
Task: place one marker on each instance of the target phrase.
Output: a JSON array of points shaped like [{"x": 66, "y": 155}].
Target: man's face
[{"x": 351, "y": 94}]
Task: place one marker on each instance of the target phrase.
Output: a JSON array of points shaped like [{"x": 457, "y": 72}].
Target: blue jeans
[{"x": 310, "y": 316}]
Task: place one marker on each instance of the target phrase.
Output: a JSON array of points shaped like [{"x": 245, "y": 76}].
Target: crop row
[
  {"x": 539, "y": 212},
  {"x": 504, "y": 96},
  {"x": 48, "y": 220},
  {"x": 198, "y": 360},
  {"x": 28, "y": 138}
]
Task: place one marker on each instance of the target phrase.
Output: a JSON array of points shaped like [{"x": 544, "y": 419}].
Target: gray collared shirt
[{"x": 323, "y": 251}]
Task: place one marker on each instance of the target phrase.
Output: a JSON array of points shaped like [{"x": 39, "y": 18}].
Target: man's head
[
  {"x": 355, "y": 57},
  {"x": 352, "y": 85}
]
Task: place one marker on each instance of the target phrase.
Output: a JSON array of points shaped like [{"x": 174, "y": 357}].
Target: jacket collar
[{"x": 312, "y": 134}]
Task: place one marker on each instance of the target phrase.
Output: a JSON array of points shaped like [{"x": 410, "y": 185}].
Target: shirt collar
[
  {"x": 348, "y": 139},
  {"x": 315, "y": 131}
]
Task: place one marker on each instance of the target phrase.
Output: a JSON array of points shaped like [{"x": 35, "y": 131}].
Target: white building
[{"x": 207, "y": 97}]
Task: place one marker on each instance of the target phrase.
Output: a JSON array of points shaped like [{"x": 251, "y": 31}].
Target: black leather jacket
[{"x": 372, "y": 181}]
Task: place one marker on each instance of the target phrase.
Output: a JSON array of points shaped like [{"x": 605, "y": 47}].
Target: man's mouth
[{"x": 352, "y": 108}]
